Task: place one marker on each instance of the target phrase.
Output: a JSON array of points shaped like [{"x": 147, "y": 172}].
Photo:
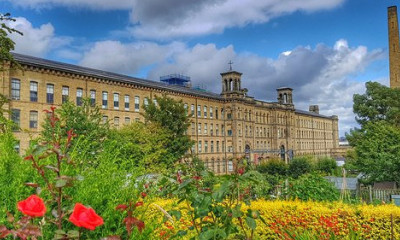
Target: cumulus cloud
[
  {"x": 35, "y": 41},
  {"x": 175, "y": 18},
  {"x": 155, "y": 19},
  {"x": 126, "y": 58},
  {"x": 324, "y": 75}
]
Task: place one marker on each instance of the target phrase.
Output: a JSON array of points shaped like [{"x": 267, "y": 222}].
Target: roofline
[{"x": 65, "y": 67}]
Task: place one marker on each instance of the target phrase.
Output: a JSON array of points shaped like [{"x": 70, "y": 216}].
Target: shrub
[
  {"x": 299, "y": 166},
  {"x": 312, "y": 187},
  {"x": 273, "y": 167},
  {"x": 326, "y": 165}
]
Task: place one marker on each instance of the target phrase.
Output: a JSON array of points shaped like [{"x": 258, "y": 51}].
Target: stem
[
  {"x": 241, "y": 225},
  {"x": 42, "y": 174},
  {"x": 193, "y": 220},
  {"x": 59, "y": 198}
]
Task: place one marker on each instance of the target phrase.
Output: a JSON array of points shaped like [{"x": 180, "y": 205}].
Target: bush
[
  {"x": 299, "y": 166},
  {"x": 273, "y": 167},
  {"x": 326, "y": 165},
  {"x": 312, "y": 187}
]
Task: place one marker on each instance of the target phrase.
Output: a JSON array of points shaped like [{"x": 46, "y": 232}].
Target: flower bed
[{"x": 322, "y": 220}]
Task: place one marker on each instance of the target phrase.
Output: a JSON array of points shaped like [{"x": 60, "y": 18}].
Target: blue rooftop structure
[{"x": 176, "y": 79}]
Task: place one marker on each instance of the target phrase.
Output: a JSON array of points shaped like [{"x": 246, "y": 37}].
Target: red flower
[
  {"x": 138, "y": 204},
  {"x": 32, "y": 206},
  {"x": 241, "y": 171},
  {"x": 197, "y": 178},
  {"x": 85, "y": 217},
  {"x": 143, "y": 194}
]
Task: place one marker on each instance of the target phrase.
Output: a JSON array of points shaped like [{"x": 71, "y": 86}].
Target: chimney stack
[
  {"x": 394, "y": 52},
  {"x": 314, "y": 109}
]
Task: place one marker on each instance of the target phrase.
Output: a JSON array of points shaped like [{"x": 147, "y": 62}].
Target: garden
[{"x": 82, "y": 179}]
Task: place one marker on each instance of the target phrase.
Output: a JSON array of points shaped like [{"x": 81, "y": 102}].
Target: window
[
  {"x": 116, "y": 121},
  {"x": 16, "y": 118},
  {"x": 79, "y": 94},
  {"x": 193, "y": 128},
  {"x": 105, "y": 119},
  {"x": 211, "y": 112},
  {"x": 229, "y": 116},
  {"x": 33, "y": 95},
  {"x": 116, "y": 100},
  {"x": 155, "y": 101},
  {"x": 212, "y": 147},
  {"x": 64, "y": 94},
  {"x": 217, "y": 146},
  {"x": 211, "y": 129},
  {"x": 17, "y": 147},
  {"x": 50, "y": 93},
  {"x": 205, "y": 146},
  {"x": 127, "y": 120},
  {"x": 192, "y": 110},
  {"x": 33, "y": 119},
  {"x": 230, "y": 166},
  {"x": 205, "y": 111},
  {"x": 199, "y": 147},
  {"x": 223, "y": 146},
  {"x": 205, "y": 129},
  {"x": 127, "y": 102},
  {"x": 199, "y": 128},
  {"x": 146, "y": 101},
  {"x": 104, "y": 103},
  {"x": 230, "y": 132},
  {"x": 137, "y": 103},
  {"x": 92, "y": 97},
  {"x": 216, "y": 130},
  {"x": 15, "y": 89},
  {"x": 198, "y": 110},
  {"x": 185, "y": 106},
  {"x": 216, "y": 113}
]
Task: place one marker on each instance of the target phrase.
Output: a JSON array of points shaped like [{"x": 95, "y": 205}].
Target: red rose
[
  {"x": 32, "y": 206},
  {"x": 85, "y": 217},
  {"x": 143, "y": 194}
]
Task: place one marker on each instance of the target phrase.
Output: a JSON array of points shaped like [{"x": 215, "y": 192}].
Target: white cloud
[
  {"x": 126, "y": 58},
  {"x": 167, "y": 19},
  {"x": 35, "y": 41},
  {"x": 175, "y": 18}
]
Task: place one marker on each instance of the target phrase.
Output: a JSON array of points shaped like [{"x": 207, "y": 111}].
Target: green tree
[
  {"x": 313, "y": 187},
  {"x": 143, "y": 146},
  {"x": 377, "y": 151},
  {"x": 273, "y": 167},
  {"x": 378, "y": 103},
  {"x": 172, "y": 116},
  {"x": 6, "y": 44},
  {"x": 86, "y": 121},
  {"x": 326, "y": 165}
]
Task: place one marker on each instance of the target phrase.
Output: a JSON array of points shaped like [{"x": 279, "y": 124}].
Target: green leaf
[
  {"x": 61, "y": 183},
  {"x": 236, "y": 212},
  {"x": 176, "y": 214},
  {"x": 73, "y": 234},
  {"x": 251, "y": 223}
]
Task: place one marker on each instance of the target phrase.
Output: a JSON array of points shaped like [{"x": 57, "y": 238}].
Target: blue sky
[{"x": 325, "y": 50}]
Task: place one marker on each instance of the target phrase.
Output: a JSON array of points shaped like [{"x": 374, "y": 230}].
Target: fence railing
[{"x": 369, "y": 195}]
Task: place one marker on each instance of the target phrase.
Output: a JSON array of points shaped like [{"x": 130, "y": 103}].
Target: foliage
[
  {"x": 6, "y": 44},
  {"x": 379, "y": 103},
  {"x": 312, "y": 187},
  {"x": 86, "y": 121},
  {"x": 377, "y": 152},
  {"x": 143, "y": 145},
  {"x": 326, "y": 165},
  {"x": 299, "y": 166},
  {"x": 214, "y": 209},
  {"x": 273, "y": 167},
  {"x": 170, "y": 115}
]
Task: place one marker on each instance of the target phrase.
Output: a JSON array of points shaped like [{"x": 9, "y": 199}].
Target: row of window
[
  {"x": 219, "y": 166},
  {"x": 65, "y": 95},
  {"x": 314, "y": 145},
  {"x": 33, "y": 119},
  {"x": 313, "y": 124}
]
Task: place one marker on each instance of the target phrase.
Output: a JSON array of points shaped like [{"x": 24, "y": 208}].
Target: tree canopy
[
  {"x": 171, "y": 115},
  {"x": 6, "y": 44},
  {"x": 378, "y": 103},
  {"x": 377, "y": 142}
]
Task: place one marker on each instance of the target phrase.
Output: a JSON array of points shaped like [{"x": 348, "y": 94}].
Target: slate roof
[{"x": 49, "y": 64}]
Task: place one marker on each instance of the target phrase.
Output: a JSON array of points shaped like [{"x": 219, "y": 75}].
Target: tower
[
  {"x": 394, "y": 52},
  {"x": 232, "y": 83},
  {"x": 285, "y": 95}
]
